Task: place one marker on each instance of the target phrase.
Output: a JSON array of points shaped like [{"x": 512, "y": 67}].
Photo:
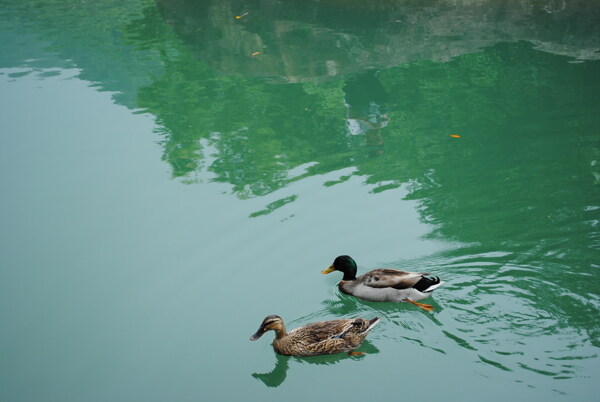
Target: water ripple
[{"x": 516, "y": 310}]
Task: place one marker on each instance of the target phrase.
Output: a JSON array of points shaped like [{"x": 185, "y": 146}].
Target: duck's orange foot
[
  {"x": 353, "y": 353},
  {"x": 427, "y": 307}
]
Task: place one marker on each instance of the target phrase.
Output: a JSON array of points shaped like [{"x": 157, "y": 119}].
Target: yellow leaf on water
[
  {"x": 241, "y": 16},
  {"x": 255, "y": 54},
  {"x": 454, "y": 136}
]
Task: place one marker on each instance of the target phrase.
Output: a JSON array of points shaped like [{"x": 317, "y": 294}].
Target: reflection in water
[
  {"x": 299, "y": 41},
  {"x": 255, "y": 131},
  {"x": 518, "y": 314},
  {"x": 274, "y": 205},
  {"x": 251, "y": 134},
  {"x": 366, "y": 101},
  {"x": 277, "y": 376}
]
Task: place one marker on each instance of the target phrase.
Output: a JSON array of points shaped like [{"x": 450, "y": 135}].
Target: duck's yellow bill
[{"x": 328, "y": 270}]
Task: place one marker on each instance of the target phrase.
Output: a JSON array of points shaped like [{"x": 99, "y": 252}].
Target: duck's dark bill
[
  {"x": 328, "y": 270},
  {"x": 257, "y": 335}
]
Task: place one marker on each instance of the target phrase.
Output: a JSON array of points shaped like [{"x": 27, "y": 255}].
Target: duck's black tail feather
[{"x": 425, "y": 283}]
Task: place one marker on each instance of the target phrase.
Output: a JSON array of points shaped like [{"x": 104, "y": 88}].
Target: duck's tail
[
  {"x": 372, "y": 323},
  {"x": 359, "y": 327},
  {"x": 428, "y": 285}
]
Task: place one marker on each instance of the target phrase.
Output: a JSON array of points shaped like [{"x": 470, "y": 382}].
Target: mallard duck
[
  {"x": 384, "y": 285},
  {"x": 317, "y": 338}
]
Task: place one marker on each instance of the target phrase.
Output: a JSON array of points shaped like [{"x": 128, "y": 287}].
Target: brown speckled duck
[
  {"x": 384, "y": 285},
  {"x": 317, "y": 338}
]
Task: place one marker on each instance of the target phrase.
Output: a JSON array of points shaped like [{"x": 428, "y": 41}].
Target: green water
[{"x": 172, "y": 174}]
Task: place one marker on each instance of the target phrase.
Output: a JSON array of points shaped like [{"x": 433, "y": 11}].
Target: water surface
[{"x": 172, "y": 174}]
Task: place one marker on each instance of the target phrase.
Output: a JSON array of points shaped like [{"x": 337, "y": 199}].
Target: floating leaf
[
  {"x": 454, "y": 136},
  {"x": 241, "y": 16},
  {"x": 255, "y": 54}
]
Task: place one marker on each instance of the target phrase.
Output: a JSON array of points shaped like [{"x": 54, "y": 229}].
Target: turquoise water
[{"x": 172, "y": 174}]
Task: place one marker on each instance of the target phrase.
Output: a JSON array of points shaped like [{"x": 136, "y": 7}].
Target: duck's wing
[
  {"x": 391, "y": 278},
  {"x": 322, "y": 330}
]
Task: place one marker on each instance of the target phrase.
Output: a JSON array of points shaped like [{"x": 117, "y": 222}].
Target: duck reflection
[
  {"x": 366, "y": 105},
  {"x": 277, "y": 376}
]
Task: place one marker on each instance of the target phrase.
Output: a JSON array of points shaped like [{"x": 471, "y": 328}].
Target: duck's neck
[
  {"x": 349, "y": 268},
  {"x": 280, "y": 333},
  {"x": 349, "y": 276}
]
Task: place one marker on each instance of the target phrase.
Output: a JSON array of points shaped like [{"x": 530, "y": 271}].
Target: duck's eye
[{"x": 376, "y": 278}]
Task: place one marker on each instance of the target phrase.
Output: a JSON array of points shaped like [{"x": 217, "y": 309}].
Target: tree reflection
[
  {"x": 304, "y": 40},
  {"x": 251, "y": 132}
]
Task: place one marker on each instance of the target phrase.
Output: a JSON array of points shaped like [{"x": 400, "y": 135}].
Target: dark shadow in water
[{"x": 277, "y": 376}]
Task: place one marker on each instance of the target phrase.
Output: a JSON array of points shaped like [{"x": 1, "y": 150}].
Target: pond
[{"x": 175, "y": 171}]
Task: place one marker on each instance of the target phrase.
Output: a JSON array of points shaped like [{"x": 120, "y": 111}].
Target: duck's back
[{"x": 324, "y": 337}]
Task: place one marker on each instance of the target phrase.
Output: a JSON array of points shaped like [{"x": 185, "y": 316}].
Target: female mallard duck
[
  {"x": 384, "y": 285},
  {"x": 317, "y": 338}
]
